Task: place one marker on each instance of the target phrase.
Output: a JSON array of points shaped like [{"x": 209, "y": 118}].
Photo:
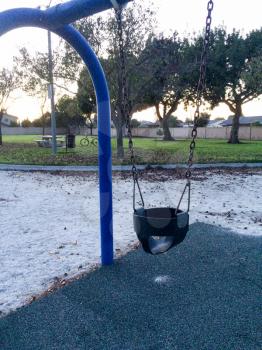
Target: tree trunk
[
  {"x": 233, "y": 139},
  {"x": 43, "y": 127},
  {"x": 234, "y": 130},
  {"x": 1, "y": 138},
  {"x": 119, "y": 123},
  {"x": 166, "y": 131},
  {"x": 164, "y": 121},
  {"x": 119, "y": 141},
  {"x": 91, "y": 125}
]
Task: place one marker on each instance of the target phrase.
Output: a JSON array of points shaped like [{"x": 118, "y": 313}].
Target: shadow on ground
[{"x": 204, "y": 294}]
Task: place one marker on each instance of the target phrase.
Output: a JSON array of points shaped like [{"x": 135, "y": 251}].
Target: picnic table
[{"x": 46, "y": 141}]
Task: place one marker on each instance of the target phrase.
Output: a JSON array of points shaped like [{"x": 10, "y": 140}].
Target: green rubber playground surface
[{"x": 204, "y": 294}]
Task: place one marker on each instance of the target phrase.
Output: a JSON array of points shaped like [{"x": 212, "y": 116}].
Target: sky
[{"x": 182, "y": 16}]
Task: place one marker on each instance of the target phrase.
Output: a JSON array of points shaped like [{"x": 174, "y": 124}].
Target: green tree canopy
[
  {"x": 26, "y": 123},
  {"x": 43, "y": 121},
  {"x": 135, "y": 123},
  {"x": 35, "y": 71},
  {"x": 68, "y": 114},
  {"x": 85, "y": 96},
  {"x": 203, "y": 119},
  {"x": 165, "y": 72},
  {"x": 137, "y": 26},
  {"x": 234, "y": 72}
]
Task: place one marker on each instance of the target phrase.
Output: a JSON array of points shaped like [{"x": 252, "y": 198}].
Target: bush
[
  {"x": 26, "y": 123},
  {"x": 135, "y": 123}
]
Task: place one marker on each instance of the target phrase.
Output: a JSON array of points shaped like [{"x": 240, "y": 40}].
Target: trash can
[{"x": 70, "y": 141}]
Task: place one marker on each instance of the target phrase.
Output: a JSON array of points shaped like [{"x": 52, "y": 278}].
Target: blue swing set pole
[{"x": 55, "y": 19}]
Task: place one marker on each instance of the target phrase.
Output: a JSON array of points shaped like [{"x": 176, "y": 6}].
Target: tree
[
  {"x": 135, "y": 123},
  {"x": 164, "y": 69},
  {"x": 234, "y": 72},
  {"x": 137, "y": 25},
  {"x": 203, "y": 120},
  {"x": 35, "y": 71},
  {"x": 93, "y": 29},
  {"x": 9, "y": 81},
  {"x": 86, "y": 98},
  {"x": 68, "y": 114},
  {"x": 252, "y": 76},
  {"x": 26, "y": 123},
  {"x": 36, "y": 78},
  {"x": 14, "y": 124},
  {"x": 2, "y": 111},
  {"x": 43, "y": 121},
  {"x": 173, "y": 122},
  {"x": 189, "y": 121}
]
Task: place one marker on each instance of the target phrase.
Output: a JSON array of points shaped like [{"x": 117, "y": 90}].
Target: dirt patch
[{"x": 161, "y": 175}]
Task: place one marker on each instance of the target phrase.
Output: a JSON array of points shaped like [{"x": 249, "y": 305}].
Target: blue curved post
[
  {"x": 12, "y": 19},
  {"x": 79, "y": 43}
]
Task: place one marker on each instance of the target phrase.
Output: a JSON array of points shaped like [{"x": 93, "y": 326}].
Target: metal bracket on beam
[
  {"x": 115, "y": 4},
  {"x": 70, "y": 11},
  {"x": 118, "y": 6}
]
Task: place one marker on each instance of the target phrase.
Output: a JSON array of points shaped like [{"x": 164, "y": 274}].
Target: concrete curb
[{"x": 70, "y": 168}]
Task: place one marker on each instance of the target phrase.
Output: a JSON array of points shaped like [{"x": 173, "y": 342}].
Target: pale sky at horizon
[{"x": 182, "y": 16}]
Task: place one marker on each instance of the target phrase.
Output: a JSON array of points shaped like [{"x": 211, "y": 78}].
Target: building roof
[
  {"x": 215, "y": 123},
  {"x": 243, "y": 121},
  {"x": 147, "y": 123}
]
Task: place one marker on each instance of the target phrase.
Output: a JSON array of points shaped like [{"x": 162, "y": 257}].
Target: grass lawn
[{"x": 23, "y": 150}]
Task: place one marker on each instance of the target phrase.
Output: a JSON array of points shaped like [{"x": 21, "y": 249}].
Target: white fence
[
  {"x": 29, "y": 131},
  {"x": 245, "y": 132}
]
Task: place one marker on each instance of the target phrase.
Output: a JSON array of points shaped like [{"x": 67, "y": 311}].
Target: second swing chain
[{"x": 125, "y": 103}]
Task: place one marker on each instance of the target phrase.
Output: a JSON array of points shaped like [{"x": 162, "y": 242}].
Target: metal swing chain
[
  {"x": 200, "y": 90},
  {"x": 125, "y": 103}
]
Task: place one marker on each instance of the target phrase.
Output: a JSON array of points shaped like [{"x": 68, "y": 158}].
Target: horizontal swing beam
[
  {"x": 73, "y": 10},
  {"x": 57, "y": 16}
]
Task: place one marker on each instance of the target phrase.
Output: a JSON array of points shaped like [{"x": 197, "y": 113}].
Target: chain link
[{"x": 200, "y": 87}]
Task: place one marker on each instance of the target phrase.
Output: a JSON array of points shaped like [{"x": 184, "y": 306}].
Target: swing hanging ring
[{"x": 210, "y": 5}]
